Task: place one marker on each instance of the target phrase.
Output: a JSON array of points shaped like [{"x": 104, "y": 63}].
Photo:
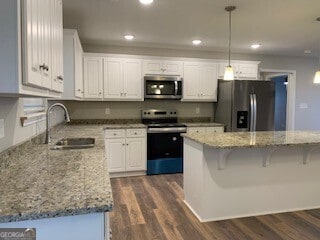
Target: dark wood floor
[{"x": 151, "y": 207}]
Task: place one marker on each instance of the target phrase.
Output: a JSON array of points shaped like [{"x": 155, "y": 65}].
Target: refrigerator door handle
[
  {"x": 255, "y": 112},
  {"x": 251, "y": 113}
]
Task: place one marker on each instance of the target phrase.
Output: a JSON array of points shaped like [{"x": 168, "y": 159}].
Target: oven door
[{"x": 164, "y": 153}]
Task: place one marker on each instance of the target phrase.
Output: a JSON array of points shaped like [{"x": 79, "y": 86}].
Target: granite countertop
[
  {"x": 256, "y": 139},
  {"x": 37, "y": 182},
  {"x": 203, "y": 124},
  {"x": 124, "y": 126}
]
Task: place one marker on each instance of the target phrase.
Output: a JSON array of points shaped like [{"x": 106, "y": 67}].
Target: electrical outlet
[
  {"x": 197, "y": 110},
  {"x": 107, "y": 111},
  {"x": 1, "y": 128}
]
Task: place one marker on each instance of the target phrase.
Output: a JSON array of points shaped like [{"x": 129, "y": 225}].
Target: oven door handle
[{"x": 167, "y": 130}]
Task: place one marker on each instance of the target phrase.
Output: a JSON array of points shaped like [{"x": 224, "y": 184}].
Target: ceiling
[{"x": 283, "y": 27}]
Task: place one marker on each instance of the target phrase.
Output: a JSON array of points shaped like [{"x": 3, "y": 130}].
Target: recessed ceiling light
[
  {"x": 129, "y": 37},
  {"x": 146, "y": 2},
  {"x": 255, "y": 46},
  {"x": 196, "y": 42},
  {"x": 307, "y": 51}
]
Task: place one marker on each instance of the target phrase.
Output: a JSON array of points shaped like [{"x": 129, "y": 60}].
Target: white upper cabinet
[
  {"x": 93, "y": 77},
  {"x": 73, "y": 65},
  {"x": 57, "y": 46},
  {"x": 200, "y": 81},
  {"x": 31, "y": 48},
  {"x": 123, "y": 79},
  {"x": 163, "y": 67},
  {"x": 242, "y": 71},
  {"x": 113, "y": 78}
]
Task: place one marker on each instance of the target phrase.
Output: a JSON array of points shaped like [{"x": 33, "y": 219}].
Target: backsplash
[{"x": 132, "y": 110}]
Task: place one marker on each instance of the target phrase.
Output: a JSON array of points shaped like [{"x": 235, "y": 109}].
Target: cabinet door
[
  {"x": 45, "y": 43},
  {"x": 57, "y": 45},
  {"x": 222, "y": 69},
  {"x": 191, "y": 81},
  {"x": 93, "y": 83},
  {"x": 116, "y": 154},
  {"x": 136, "y": 154},
  {"x": 200, "y": 130},
  {"x": 31, "y": 37},
  {"x": 78, "y": 68},
  {"x": 248, "y": 71},
  {"x": 215, "y": 130},
  {"x": 132, "y": 79},
  {"x": 173, "y": 68},
  {"x": 153, "y": 67},
  {"x": 208, "y": 81},
  {"x": 113, "y": 78}
]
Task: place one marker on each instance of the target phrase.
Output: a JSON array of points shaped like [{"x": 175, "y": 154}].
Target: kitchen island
[
  {"x": 64, "y": 194},
  {"x": 231, "y": 175}
]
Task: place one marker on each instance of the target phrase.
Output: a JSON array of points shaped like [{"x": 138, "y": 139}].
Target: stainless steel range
[{"x": 164, "y": 143}]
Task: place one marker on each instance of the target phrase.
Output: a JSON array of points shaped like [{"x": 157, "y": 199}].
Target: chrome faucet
[{"x": 48, "y": 138}]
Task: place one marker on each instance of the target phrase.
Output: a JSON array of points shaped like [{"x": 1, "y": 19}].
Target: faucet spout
[{"x": 67, "y": 117}]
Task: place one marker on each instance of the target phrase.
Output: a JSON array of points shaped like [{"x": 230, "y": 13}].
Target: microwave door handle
[{"x": 175, "y": 88}]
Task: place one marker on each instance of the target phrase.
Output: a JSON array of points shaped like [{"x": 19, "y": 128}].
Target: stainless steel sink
[{"x": 74, "y": 143}]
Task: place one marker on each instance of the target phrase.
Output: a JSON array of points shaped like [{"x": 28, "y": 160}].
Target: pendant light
[
  {"x": 228, "y": 74},
  {"x": 316, "y": 79}
]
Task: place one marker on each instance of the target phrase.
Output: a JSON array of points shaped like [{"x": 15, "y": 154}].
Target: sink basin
[{"x": 74, "y": 143}]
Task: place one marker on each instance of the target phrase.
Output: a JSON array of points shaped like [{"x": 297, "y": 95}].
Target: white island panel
[{"x": 246, "y": 186}]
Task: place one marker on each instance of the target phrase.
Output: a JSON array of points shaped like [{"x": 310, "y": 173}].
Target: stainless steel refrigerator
[{"x": 245, "y": 105}]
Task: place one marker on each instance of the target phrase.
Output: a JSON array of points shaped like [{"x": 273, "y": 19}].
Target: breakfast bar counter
[{"x": 230, "y": 175}]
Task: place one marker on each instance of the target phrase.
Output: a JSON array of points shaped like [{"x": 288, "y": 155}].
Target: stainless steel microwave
[{"x": 162, "y": 87}]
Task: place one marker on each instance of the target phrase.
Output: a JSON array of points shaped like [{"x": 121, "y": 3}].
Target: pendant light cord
[{"x": 230, "y": 38}]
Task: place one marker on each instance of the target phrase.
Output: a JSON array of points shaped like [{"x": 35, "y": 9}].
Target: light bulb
[
  {"x": 196, "y": 42},
  {"x": 129, "y": 37},
  {"x": 228, "y": 74},
  {"x": 146, "y": 2}
]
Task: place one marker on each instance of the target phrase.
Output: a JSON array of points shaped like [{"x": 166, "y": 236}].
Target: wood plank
[{"x": 134, "y": 210}]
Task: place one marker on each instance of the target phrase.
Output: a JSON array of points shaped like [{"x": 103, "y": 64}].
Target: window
[
  {"x": 33, "y": 105},
  {"x": 34, "y": 111}
]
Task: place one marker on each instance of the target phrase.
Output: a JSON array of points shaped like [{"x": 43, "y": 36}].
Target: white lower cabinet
[
  {"x": 203, "y": 130},
  {"x": 126, "y": 151}
]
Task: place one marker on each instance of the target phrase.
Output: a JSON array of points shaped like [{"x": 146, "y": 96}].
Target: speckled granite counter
[
  {"x": 203, "y": 124},
  {"x": 124, "y": 126},
  {"x": 256, "y": 139},
  {"x": 37, "y": 182}
]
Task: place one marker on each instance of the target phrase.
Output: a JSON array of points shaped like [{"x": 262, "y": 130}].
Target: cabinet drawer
[
  {"x": 200, "y": 130},
  {"x": 139, "y": 132},
  {"x": 215, "y": 130},
  {"x": 115, "y": 133}
]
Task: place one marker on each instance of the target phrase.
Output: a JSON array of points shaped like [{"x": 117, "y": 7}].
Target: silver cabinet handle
[
  {"x": 60, "y": 78},
  {"x": 114, "y": 134},
  {"x": 135, "y": 133},
  {"x": 79, "y": 90}
]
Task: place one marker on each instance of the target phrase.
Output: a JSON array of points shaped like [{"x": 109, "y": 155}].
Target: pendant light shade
[
  {"x": 229, "y": 74},
  {"x": 317, "y": 78}
]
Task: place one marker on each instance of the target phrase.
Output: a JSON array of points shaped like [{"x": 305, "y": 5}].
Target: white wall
[
  {"x": 11, "y": 109},
  {"x": 306, "y": 91}
]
